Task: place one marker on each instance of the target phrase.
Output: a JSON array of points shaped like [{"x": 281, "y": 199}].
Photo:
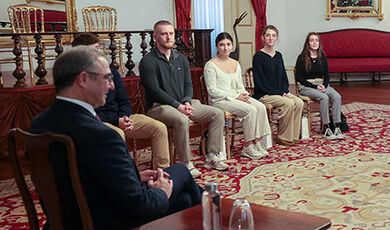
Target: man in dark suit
[{"x": 118, "y": 195}]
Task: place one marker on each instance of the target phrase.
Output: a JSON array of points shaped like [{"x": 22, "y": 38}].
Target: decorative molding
[{"x": 250, "y": 12}]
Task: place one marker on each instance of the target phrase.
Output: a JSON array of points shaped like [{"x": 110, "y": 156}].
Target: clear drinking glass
[{"x": 241, "y": 217}]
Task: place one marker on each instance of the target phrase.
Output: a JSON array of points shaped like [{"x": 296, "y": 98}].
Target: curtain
[
  {"x": 183, "y": 16},
  {"x": 259, "y": 7},
  {"x": 209, "y": 15}
]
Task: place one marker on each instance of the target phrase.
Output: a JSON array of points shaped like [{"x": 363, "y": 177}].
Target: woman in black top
[
  {"x": 271, "y": 87},
  {"x": 313, "y": 75}
]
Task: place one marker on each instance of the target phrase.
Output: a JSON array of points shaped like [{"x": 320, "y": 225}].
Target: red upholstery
[
  {"x": 51, "y": 16},
  {"x": 378, "y": 64},
  {"x": 357, "y": 50}
]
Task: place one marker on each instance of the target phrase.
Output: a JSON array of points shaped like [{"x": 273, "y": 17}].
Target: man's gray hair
[{"x": 71, "y": 63}]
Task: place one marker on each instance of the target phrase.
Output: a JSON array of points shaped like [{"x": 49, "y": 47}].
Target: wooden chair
[
  {"x": 37, "y": 150},
  {"x": 230, "y": 132},
  {"x": 272, "y": 112},
  {"x": 28, "y": 19},
  {"x": 101, "y": 19}
]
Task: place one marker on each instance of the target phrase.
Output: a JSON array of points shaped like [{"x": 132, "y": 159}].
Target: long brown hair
[{"x": 306, "y": 51}]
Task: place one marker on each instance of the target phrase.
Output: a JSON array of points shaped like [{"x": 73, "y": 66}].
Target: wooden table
[{"x": 265, "y": 218}]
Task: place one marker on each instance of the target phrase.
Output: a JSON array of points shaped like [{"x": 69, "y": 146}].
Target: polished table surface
[{"x": 265, "y": 218}]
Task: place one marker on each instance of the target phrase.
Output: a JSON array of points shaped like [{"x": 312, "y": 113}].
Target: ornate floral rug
[{"x": 346, "y": 181}]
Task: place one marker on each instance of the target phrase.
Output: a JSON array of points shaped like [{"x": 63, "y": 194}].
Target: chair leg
[
  {"x": 172, "y": 154},
  {"x": 309, "y": 121},
  {"x": 203, "y": 143},
  {"x": 227, "y": 142}
]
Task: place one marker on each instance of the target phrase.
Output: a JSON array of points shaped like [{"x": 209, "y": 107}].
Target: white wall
[
  {"x": 295, "y": 19},
  {"x": 132, "y": 14}
]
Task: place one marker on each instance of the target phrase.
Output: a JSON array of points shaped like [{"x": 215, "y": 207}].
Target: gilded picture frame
[{"x": 354, "y": 9}]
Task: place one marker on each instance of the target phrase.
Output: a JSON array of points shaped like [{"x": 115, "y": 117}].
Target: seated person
[
  {"x": 226, "y": 91},
  {"x": 313, "y": 75},
  {"x": 165, "y": 74},
  {"x": 271, "y": 87},
  {"x": 117, "y": 112},
  {"x": 119, "y": 197}
]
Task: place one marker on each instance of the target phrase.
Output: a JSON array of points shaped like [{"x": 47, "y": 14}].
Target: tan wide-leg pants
[{"x": 289, "y": 117}]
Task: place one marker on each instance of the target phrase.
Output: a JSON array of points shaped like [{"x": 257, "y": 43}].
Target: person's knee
[
  {"x": 337, "y": 97},
  {"x": 299, "y": 104},
  {"x": 323, "y": 97},
  {"x": 159, "y": 129},
  {"x": 218, "y": 115},
  {"x": 288, "y": 104},
  {"x": 181, "y": 122}
]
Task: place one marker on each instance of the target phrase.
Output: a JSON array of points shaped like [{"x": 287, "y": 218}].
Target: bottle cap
[{"x": 211, "y": 186}]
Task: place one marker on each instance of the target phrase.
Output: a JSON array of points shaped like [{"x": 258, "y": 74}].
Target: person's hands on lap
[
  {"x": 321, "y": 88},
  {"x": 148, "y": 174},
  {"x": 186, "y": 109},
  {"x": 243, "y": 97},
  {"x": 189, "y": 109},
  {"x": 125, "y": 123},
  {"x": 162, "y": 182}
]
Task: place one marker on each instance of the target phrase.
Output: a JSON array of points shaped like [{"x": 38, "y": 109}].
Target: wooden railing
[{"x": 197, "y": 49}]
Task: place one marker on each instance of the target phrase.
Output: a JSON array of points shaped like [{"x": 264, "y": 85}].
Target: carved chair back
[
  {"x": 37, "y": 148},
  {"x": 26, "y": 19},
  {"x": 99, "y": 18}
]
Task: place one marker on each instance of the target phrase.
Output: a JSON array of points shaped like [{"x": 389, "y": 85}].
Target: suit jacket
[{"x": 116, "y": 196}]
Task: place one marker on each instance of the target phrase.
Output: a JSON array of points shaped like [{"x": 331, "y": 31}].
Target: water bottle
[{"x": 211, "y": 207}]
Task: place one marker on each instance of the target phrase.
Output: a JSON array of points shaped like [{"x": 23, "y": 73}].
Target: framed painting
[{"x": 354, "y": 9}]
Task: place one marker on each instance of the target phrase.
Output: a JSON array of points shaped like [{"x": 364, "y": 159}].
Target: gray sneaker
[
  {"x": 259, "y": 147},
  {"x": 338, "y": 134},
  {"x": 251, "y": 152},
  {"x": 329, "y": 134},
  {"x": 214, "y": 162}
]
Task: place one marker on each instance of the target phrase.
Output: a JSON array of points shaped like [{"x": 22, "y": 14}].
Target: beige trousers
[
  {"x": 148, "y": 128},
  {"x": 290, "y": 114},
  {"x": 254, "y": 115},
  {"x": 180, "y": 124}
]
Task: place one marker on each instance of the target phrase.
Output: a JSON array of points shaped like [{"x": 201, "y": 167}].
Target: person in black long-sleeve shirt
[
  {"x": 271, "y": 87},
  {"x": 313, "y": 75}
]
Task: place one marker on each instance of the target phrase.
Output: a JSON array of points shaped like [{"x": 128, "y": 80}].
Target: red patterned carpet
[{"x": 347, "y": 181}]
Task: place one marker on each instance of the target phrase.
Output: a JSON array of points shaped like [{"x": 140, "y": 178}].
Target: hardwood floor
[
  {"x": 353, "y": 92},
  {"x": 365, "y": 92}
]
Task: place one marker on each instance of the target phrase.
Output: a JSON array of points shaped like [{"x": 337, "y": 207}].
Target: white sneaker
[
  {"x": 251, "y": 152},
  {"x": 329, "y": 134},
  {"x": 338, "y": 134},
  {"x": 214, "y": 161},
  {"x": 194, "y": 171},
  {"x": 259, "y": 147}
]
